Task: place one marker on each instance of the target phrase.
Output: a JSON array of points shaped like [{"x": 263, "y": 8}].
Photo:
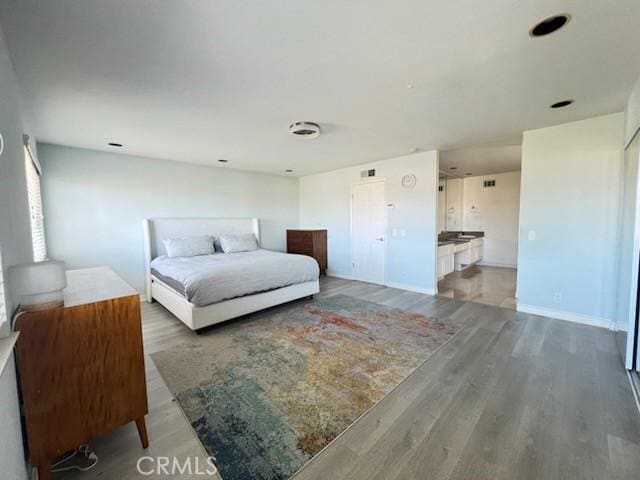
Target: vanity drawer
[
  {"x": 461, "y": 247},
  {"x": 477, "y": 242}
]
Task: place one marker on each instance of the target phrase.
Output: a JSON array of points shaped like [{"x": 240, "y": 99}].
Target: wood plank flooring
[{"x": 511, "y": 396}]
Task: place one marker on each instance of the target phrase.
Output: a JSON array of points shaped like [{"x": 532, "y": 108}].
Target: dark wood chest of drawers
[
  {"x": 81, "y": 366},
  {"x": 309, "y": 242}
]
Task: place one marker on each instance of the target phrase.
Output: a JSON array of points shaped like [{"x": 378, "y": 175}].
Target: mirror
[{"x": 449, "y": 203}]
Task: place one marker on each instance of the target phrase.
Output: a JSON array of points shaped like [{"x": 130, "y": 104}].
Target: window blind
[{"x": 35, "y": 207}]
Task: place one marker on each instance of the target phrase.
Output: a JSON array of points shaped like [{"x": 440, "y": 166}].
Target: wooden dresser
[
  {"x": 309, "y": 242},
  {"x": 81, "y": 366}
]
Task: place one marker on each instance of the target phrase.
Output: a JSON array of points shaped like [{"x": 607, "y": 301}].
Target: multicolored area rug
[{"x": 267, "y": 393}]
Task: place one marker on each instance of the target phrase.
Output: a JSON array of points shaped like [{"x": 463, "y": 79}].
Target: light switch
[
  {"x": 532, "y": 234},
  {"x": 394, "y": 232},
  {"x": 403, "y": 233}
]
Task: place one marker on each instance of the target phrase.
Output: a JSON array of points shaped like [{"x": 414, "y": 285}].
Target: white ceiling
[
  {"x": 484, "y": 160},
  {"x": 200, "y": 80}
]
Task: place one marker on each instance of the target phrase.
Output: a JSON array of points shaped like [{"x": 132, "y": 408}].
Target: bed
[{"x": 209, "y": 289}]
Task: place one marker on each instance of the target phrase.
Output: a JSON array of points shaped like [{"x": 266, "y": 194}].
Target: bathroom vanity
[{"x": 458, "y": 251}]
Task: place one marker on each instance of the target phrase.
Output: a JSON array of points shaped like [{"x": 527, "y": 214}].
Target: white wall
[
  {"x": 94, "y": 203},
  {"x": 325, "y": 203},
  {"x": 496, "y": 215},
  {"x": 570, "y": 196},
  {"x": 15, "y": 241}
]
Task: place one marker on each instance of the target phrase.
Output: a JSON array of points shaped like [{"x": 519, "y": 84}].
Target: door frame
[
  {"x": 383, "y": 180},
  {"x": 632, "y": 350}
]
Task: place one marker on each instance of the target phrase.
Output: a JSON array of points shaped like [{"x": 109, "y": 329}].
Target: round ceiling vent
[
  {"x": 550, "y": 25},
  {"x": 305, "y": 129}
]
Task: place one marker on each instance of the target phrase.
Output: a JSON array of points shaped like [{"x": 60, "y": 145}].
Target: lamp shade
[{"x": 38, "y": 284}]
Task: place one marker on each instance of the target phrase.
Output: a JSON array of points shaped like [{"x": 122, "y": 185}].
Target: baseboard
[
  {"x": 411, "y": 288},
  {"x": 399, "y": 286},
  {"x": 498, "y": 265},
  {"x": 339, "y": 275},
  {"x": 568, "y": 316},
  {"x": 143, "y": 297}
]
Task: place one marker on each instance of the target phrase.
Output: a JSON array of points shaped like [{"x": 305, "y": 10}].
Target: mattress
[{"x": 207, "y": 279}]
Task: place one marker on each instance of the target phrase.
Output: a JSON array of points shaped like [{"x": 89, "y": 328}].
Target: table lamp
[{"x": 38, "y": 285}]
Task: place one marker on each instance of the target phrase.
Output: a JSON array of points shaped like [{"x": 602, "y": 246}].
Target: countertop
[{"x": 454, "y": 239}]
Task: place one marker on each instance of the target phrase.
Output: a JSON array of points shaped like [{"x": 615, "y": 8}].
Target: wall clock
[{"x": 409, "y": 181}]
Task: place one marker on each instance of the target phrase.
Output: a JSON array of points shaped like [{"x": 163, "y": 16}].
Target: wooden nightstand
[
  {"x": 309, "y": 242},
  {"x": 81, "y": 366}
]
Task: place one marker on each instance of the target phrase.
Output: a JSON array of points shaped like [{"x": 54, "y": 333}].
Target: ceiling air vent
[
  {"x": 368, "y": 173},
  {"x": 305, "y": 129},
  {"x": 489, "y": 183}
]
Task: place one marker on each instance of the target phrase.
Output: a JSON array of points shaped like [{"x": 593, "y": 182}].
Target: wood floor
[{"x": 512, "y": 396}]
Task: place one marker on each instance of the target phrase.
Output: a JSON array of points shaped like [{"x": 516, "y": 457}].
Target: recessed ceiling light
[
  {"x": 453, "y": 168},
  {"x": 563, "y": 103},
  {"x": 409, "y": 86},
  {"x": 550, "y": 25},
  {"x": 222, "y": 160},
  {"x": 113, "y": 144},
  {"x": 288, "y": 171}
]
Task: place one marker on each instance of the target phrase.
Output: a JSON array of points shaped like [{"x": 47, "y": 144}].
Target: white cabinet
[
  {"x": 446, "y": 263},
  {"x": 468, "y": 253},
  {"x": 476, "y": 250}
]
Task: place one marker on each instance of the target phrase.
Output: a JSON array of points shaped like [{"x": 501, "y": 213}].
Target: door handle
[{"x": 381, "y": 239}]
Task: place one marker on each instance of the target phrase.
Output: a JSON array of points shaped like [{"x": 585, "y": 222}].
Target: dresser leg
[
  {"x": 44, "y": 471},
  {"x": 142, "y": 432}
]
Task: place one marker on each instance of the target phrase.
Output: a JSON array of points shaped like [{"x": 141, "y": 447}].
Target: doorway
[
  {"x": 478, "y": 224},
  {"x": 368, "y": 231}
]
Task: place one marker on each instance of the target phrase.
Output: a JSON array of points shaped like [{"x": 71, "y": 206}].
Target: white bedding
[{"x": 207, "y": 279}]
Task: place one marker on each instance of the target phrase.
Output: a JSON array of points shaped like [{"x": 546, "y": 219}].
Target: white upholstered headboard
[{"x": 157, "y": 229}]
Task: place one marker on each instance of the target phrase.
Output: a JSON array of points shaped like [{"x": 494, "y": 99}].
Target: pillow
[
  {"x": 188, "y": 246},
  {"x": 238, "y": 243}
]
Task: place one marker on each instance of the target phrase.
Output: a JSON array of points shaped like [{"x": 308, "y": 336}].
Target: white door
[{"x": 368, "y": 231}]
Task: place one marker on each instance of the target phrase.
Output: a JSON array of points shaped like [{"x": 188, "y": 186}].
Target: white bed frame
[{"x": 158, "y": 229}]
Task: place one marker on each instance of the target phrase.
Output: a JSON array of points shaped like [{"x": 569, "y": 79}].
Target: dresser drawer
[
  {"x": 300, "y": 240},
  {"x": 300, "y": 248}
]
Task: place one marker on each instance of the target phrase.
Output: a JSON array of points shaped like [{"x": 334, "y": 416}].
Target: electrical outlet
[
  {"x": 557, "y": 297},
  {"x": 532, "y": 234}
]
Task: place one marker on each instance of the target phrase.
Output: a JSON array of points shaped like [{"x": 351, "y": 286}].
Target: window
[{"x": 35, "y": 205}]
